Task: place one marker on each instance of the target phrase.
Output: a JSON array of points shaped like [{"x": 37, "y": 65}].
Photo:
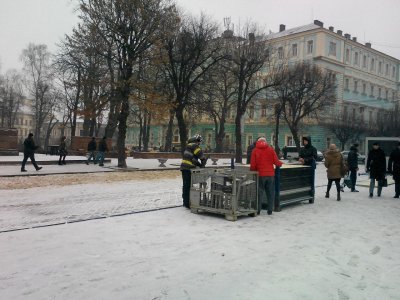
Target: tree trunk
[
  {"x": 277, "y": 123},
  {"x": 238, "y": 137},
  {"x": 168, "y": 138},
  {"x": 219, "y": 136},
  {"x": 123, "y": 117},
  {"x": 182, "y": 128}
]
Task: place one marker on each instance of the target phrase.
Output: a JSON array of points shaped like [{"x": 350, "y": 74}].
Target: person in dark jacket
[
  {"x": 192, "y": 157},
  {"x": 394, "y": 169},
  {"x": 62, "y": 151},
  {"x": 250, "y": 149},
  {"x": 263, "y": 160},
  {"x": 333, "y": 163},
  {"x": 29, "y": 152},
  {"x": 376, "y": 165},
  {"x": 352, "y": 163},
  {"x": 308, "y": 156},
  {"x": 91, "y": 148},
  {"x": 102, "y": 149}
]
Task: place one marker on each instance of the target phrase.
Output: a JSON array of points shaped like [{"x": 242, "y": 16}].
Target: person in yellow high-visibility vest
[{"x": 192, "y": 157}]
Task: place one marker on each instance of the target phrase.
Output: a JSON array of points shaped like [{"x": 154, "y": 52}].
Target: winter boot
[
  {"x": 59, "y": 163},
  {"x": 327, "y": 195},
  {"x": 396, "y": 196},
  {"x": 338, "y": 197}
]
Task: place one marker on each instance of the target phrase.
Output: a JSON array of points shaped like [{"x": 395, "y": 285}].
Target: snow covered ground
[{"x": 327, "y": 250}]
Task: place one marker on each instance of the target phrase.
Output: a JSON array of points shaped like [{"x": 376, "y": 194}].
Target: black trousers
[
  {"x": 337, "y": 183},
  {"x": 186, "y": 179},
  {"x": 32, "y": 157},
  {"x": 397, "y": 187},
  {"x": 353, "y": 178}
]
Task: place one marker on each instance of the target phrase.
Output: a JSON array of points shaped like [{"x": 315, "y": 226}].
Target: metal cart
[{"x": 230, "y": 192}]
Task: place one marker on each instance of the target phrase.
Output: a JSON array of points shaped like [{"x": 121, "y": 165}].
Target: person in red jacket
[{"x": 263, "y": 159}]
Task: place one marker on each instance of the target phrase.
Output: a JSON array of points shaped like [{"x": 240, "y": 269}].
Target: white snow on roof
[{"x": 290, "y": 31}]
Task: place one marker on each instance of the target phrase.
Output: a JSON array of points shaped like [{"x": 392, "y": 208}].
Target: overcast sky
[{"x": 46, "y": 21}]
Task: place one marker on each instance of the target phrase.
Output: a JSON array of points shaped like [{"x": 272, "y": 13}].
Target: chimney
[
  {"x": 347, "y": 36},
  {"x": 368, "y": 45},
  {"x": 282, "y": 27},
  {"x": 331, "y": 28},
  {"x": 318, "y": 23},
  {"x": 339, "y": 32},
  {"x": 354, "y": 39}
]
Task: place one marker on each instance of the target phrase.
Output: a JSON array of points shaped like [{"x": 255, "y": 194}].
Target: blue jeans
[
  {"x": 100, "y": 157},
  {"x": 372, "y": 186},
  {"x": 92, "y": 154},
  {"x": 266, "y": 191}
]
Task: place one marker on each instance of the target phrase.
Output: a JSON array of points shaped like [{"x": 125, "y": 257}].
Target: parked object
[{"x": 230, "y": 192}]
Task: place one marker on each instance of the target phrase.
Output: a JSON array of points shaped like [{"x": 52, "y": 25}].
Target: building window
[
  {"x": 372, "y": 64},
  {"x": 354, "y": 113},
  {"x": 387, "y": 95},
  {"x": 346, "y": 83},
  {"x": 387, "y": 70},
  {"x": 380, "y": 67},
  {"x": 310, "y": 46},
  {"x": 364, "y": 90},
  {"x": 289, "y": 141},
  {"x": 251, "y": 112},
  {"x": 328, "y": 142},
  {"x": 263, "y": 110},
  {"x": 370, "y": 117},
  {"x": 379, "y": 92},
  {"x": 345, "y": 113},
  {"x": 372, "y": 90},
  {"x": 393, "y": 95},
  {"x": 393, "y": 72},
  {"x": 356, "y": 58},
  {"x": 249, "y": 140},
  {"x": 364, "y": 61},
  {"x": 355, "y": 86},
  {"x": 347, "y": 55},
  {"x": 332, "y": 48},
  {"x": 294, "y": 50},
  {"x": 280, "y": 53},
  {"x": 176, "y": 136}
]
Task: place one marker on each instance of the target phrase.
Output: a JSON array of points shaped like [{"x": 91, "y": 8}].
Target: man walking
[
  {"x": 29, "y": 152},
  {"x": 376, "y": 165},
  {"x": 394, "y": 169},
  {"x": 103, "y": 148},
  {"x": 91, "y": 148},
  {"x": 263, "y": 159},
  {"x": 352, "y": 162},
  {"x": 192, "y": 157}
]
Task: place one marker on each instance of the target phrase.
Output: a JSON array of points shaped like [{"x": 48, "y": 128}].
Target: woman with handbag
[
  {"x": 336, "y": 169},
  {"x": 376, "y": 166}
]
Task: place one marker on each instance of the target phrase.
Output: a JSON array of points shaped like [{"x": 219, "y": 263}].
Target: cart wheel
[
  {"x": 252, "y": 215},
  {"x": 230, "y": 217}
]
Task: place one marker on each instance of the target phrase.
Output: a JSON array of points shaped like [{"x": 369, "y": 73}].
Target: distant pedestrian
[
  {"x": 376, "y": 165},
  {"x": 394, "y": 169},
  {"x": 263, "y": 160},
  {"x": 102, "y": 149},
  {"x": 91, "y": 148},
  {"x": 29, "y": 152},
  {"x": 62, "y": 150},
  {"x": 334, "y": 164},
  {"x": 352, "y": 162},
  {"x": 192, "y": 157},
  {"x": 308, "y": 156},
  {"x": 249, "y": 150}
]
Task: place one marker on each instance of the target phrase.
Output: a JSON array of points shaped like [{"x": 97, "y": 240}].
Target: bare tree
[
  {"x": 11, "y": 95},
  {"x": 343, "y": 127},
  {"x": 387, "y": 122},
  {"x": 132, "y": 26},
  {"x": 249, "y": 54},
  {"x": 36, "y": 59},
  {"x": 188, "y": 52},
  {"x": 305, "y": 91}
]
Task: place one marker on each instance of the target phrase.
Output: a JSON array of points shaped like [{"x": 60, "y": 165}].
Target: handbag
[{"x": 383, "y": 182}]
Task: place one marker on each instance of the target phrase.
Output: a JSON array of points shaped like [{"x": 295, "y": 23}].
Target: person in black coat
[
  {"x": 250, "y": 149},
  {"x": 308, "y": 156},
  {"x": 376, "y": 166},
  {"x": 394, "y": 169},
  {"x": 62, "y": 151},
  {"x": 91, "y": 148},
  {"x": 352, "y": 163},
  {"x": 29, "y": 152}
]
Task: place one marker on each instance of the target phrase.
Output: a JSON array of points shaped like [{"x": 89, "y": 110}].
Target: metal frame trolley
[{"x": 230, "y": 192}]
